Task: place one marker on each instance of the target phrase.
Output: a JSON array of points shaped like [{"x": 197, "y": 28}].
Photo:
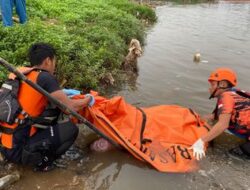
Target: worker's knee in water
[
  {"x": 32, "y": 154},
  {"x": 63, "y": 148},
  {"x": 31, "y": 158},
  {"x": 67, "y": 133},
  {"x": 246, "y": 148}
]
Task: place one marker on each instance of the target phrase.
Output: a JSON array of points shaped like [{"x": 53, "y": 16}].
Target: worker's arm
[
  {"x": 218, "y": 128},
  {"x": 74, "y": 104},
  {"x": 198, "y": 147}
]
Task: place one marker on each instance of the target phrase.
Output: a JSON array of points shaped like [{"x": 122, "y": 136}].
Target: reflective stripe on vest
[{"x": 30, "y": 100}]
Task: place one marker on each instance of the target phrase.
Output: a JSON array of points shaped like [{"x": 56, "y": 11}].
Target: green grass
[{"x": 91, "y": 36}]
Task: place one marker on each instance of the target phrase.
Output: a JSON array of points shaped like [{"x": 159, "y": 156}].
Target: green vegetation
[{"x": 91, "y": 36}]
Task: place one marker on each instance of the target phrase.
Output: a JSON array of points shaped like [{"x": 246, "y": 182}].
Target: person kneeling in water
[
  {"x": 232, "y": 112},
  {"x": 22, "y": 142}
]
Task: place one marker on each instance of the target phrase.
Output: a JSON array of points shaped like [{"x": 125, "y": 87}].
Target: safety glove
[
  {"x": 92, "y": 99},
  {"x": 198, "y": 149},
  {"x": 71, "y": 92}
]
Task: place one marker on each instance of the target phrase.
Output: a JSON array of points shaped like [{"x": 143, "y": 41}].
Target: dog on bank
[{"x": 130, "y": 61}]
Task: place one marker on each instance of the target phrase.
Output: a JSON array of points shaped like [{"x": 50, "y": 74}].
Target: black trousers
[
  {"x": 245, "y": 147},
  {"x": 48, "y": 143}
]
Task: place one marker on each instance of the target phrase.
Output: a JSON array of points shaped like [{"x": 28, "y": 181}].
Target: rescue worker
[
  {"x": 21, "y": 142},
  {"x": 232, "y": 112},
  {"x": 7, "y": 8}
]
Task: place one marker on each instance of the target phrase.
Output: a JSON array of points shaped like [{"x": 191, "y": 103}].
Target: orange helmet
[{"x": 223, "y": 74}]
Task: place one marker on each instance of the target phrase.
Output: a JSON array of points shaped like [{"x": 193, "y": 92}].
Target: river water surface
[{"x": 167, "y": 75}]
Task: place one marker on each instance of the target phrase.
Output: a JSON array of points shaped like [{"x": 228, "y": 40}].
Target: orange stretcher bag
[{"x": 158, "y": 135}]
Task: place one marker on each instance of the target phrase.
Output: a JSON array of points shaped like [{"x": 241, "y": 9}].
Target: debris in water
[
  {"x": 96, "y": 167},
  {"x": 75, "y": 181},
  {"x": 73, "y": 153},
  {"x": 204, "y": 61},
  {"x": 9, "y": 179},
  {"x": 9, "y": 166},
  {"x": 203, "y": 173},
  {"x": 60, "y": 163},
  {"x": 197, "y": 58}
]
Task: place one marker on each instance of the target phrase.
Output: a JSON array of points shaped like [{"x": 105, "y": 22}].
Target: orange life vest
[
  {"x": 239, "y": 102},
  {"x": 31, "y": 101},
  {"x": 158, "y": 135}
]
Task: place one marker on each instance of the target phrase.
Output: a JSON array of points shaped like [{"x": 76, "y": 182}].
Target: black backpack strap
[
  {"x": 6, "y": 130},
  {"x": 243, "y": 94},
  {"x": 48, "y": 117}
]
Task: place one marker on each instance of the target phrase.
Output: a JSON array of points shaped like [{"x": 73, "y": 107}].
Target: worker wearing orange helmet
[{"x": 232, "y": 112}]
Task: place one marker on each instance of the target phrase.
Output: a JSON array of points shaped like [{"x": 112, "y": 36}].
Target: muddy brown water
[{"x": 167, "y": 75}]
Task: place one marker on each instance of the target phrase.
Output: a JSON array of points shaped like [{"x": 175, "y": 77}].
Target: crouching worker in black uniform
[{"x": 22, "y": 143}]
